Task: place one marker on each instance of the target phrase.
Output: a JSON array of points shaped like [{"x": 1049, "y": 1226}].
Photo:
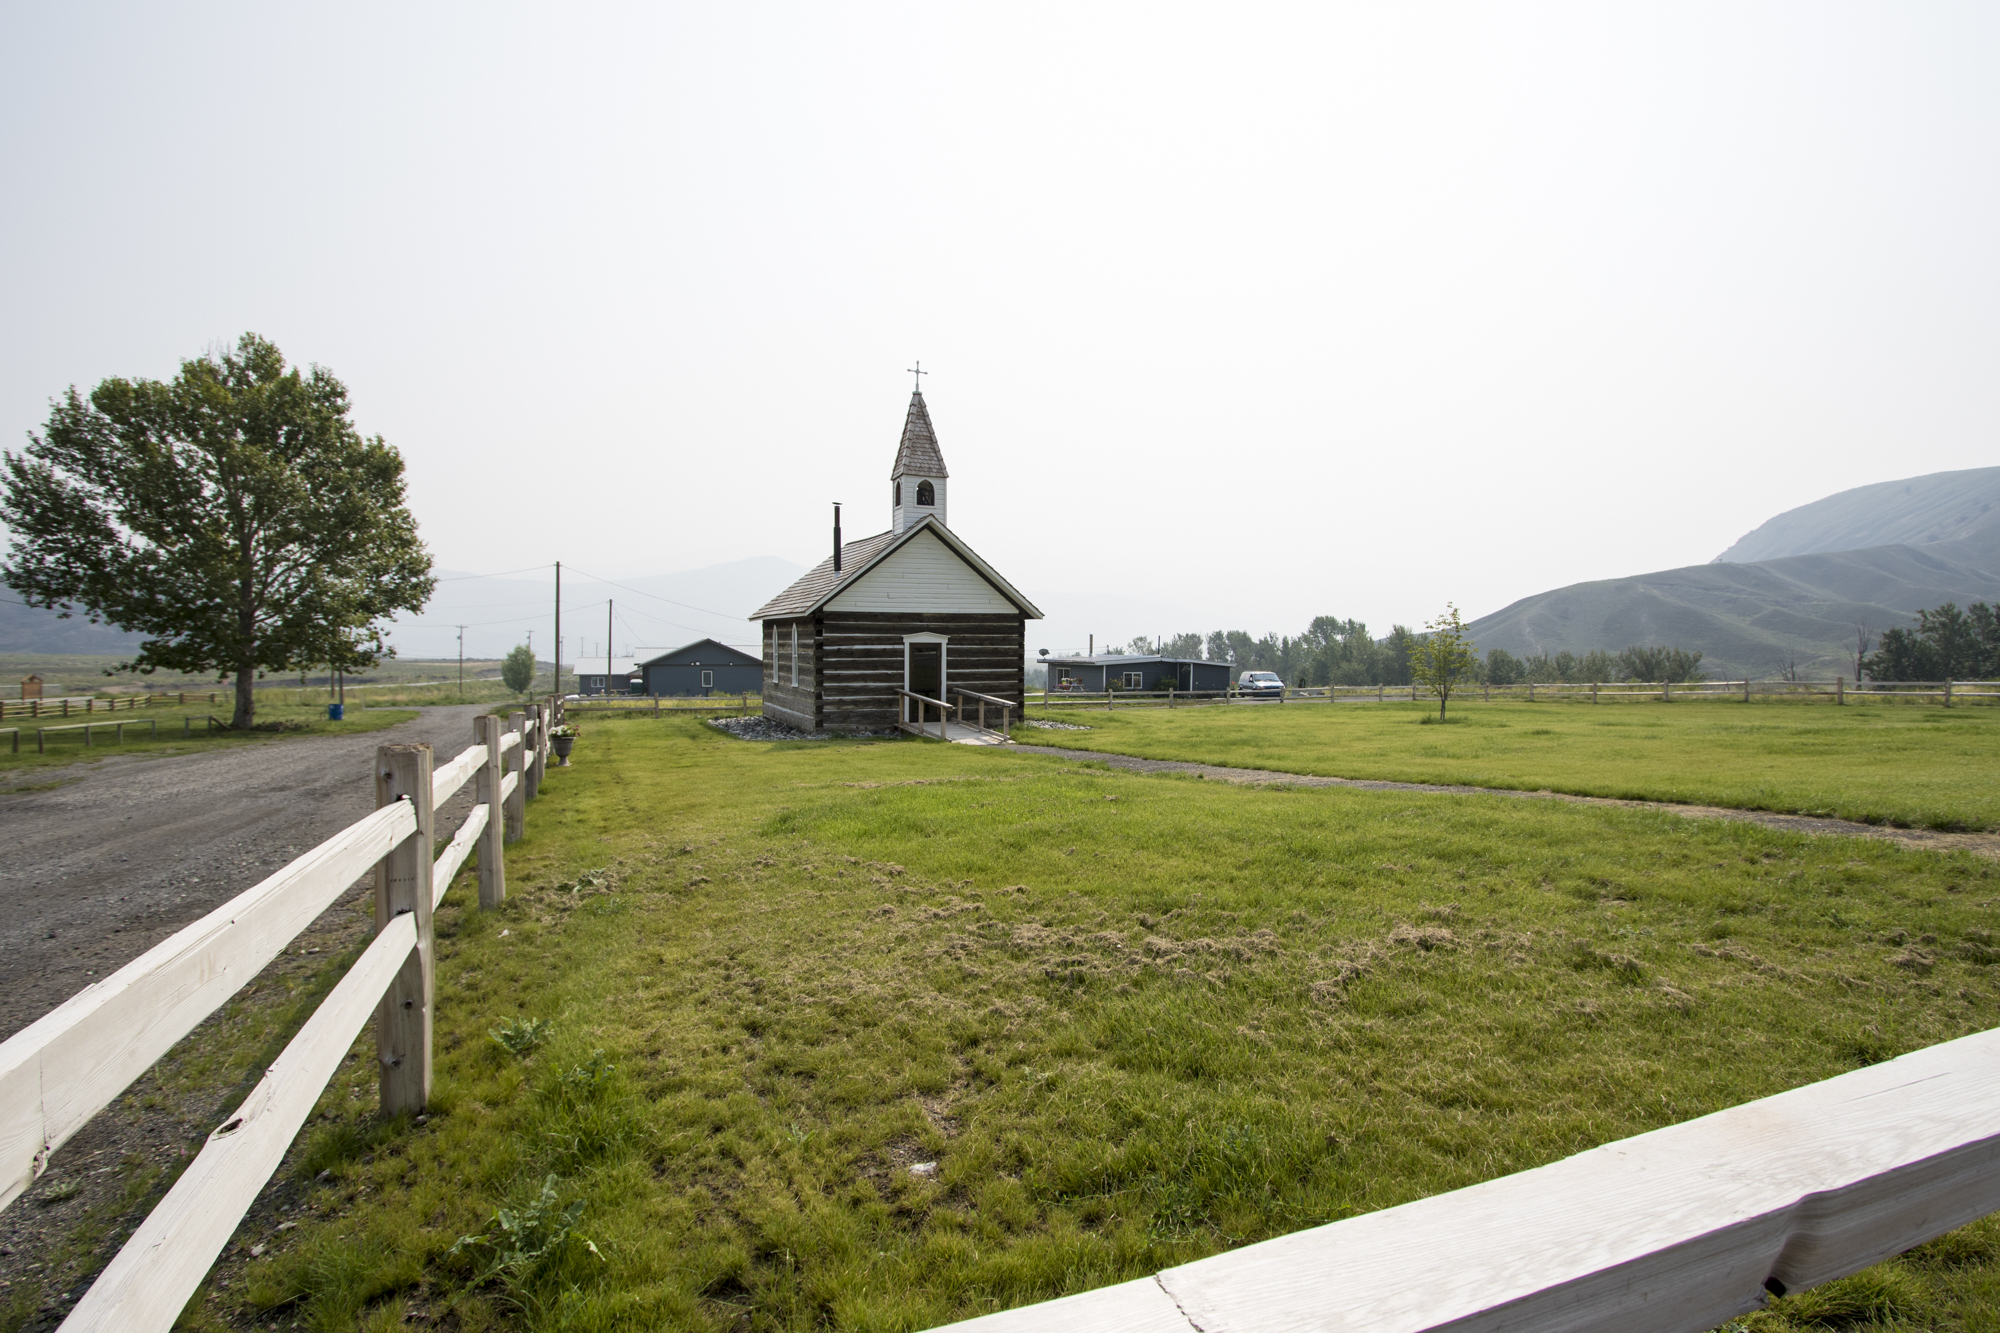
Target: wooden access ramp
[
  {"x": 958, "y": 733},
  {"x": 921, "y": 715}
]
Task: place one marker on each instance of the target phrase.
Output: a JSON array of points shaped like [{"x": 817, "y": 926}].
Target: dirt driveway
[{"x": 95, "y": 872}]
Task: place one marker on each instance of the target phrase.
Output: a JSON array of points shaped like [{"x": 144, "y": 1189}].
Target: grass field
[
  {"x": 1881, "y": 763},
  {"x": 740, "y": 990}
]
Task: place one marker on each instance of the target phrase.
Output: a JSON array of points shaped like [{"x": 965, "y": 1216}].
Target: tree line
[
  {"x": 1945, "y": 644},
  {"x": 1334, "y": 651}
]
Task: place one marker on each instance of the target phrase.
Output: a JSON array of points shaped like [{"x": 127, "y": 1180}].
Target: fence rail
[
  {"x": 655, "y": 704},
  {"x": 1675, "y": 1231},
  {"x": 59, "y": 1071},
  {"x": 1840, "y": 690},
  {"x": 88, "y": 704}
]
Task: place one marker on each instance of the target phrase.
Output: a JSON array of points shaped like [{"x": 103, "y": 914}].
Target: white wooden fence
[
  {"x": 59, "y": 1071},
  {"x": 656, "y": 704},
  {"x": 1840, "y": 690},
  {"x": 1675, "y": 1231}
]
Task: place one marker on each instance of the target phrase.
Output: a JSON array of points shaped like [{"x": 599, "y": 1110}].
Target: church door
[{"x": 924, "y": 665}]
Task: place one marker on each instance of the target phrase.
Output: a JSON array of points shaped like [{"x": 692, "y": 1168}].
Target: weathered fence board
[
  {"x": 69, "y": 1064},
  {"x": 1675, "y": 1231},
  {"x": 449, "y": 778},
  {"x": 1139, "y": 1306},
  {"x": 456, "y": 852},
  {"x": 162, "y": 1265}
]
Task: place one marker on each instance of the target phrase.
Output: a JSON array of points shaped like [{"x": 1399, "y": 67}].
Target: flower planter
[{"x": 562, "y": 745}]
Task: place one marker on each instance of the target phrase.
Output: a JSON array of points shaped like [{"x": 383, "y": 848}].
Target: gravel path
[
  {"x": 95, "y": 872},
  {"x": 1984, "y": 844}
]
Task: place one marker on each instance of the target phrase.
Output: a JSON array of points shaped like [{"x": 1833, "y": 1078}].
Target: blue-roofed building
[
  {"x": 1136, "y": 671},
  {"x": 703, "y": 668}
]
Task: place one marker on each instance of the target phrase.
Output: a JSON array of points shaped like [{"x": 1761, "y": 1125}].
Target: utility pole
[
  {"x": 558, "y": 689},
  {"x": 461, "y": 661},
  {"x": 607, "y": 644}
]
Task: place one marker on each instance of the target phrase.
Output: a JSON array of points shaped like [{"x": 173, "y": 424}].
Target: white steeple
[{"x": 918, "y": 479}]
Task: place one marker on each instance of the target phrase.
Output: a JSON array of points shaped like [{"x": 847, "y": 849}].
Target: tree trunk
[{"x": 246, "y": 698}]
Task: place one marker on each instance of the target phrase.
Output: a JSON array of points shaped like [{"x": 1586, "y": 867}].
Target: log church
[{"x": 910, "y": 611}]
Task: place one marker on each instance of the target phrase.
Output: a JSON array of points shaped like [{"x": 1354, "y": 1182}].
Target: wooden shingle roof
[
  {"x": 820, "y": 584},
  {"x": 918, "y": 453}
]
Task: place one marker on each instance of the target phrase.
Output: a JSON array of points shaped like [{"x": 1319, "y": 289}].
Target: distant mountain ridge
[
  {"x": 1917, "y": 511},
  {"x": 654, "y": 612},
  {"x": 1800, "y": 604}
]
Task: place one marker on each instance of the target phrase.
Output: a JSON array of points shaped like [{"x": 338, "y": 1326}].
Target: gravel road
[{"x": 95, "y": 872}]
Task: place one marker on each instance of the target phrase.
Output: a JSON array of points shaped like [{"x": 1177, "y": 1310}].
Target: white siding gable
[{"x": 923, "y": 575}]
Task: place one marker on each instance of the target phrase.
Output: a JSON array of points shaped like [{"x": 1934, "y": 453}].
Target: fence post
[
  {"x": 531, "y": 769},
  {"x": 1746, "y": 689},
  {"x": 492, "y": 841},
  {"x": 1840, "y": 689},
  {"x": 544, "y": 742},
  {"x": 1947, "y": 704},
  {"x": 403, "y": 884},
  {"x": 517, "y": 804},
  {"x": 1666, "y": 690}
]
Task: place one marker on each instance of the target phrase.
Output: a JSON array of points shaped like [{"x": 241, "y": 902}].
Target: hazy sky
[{"x": 1250, "y": 313}]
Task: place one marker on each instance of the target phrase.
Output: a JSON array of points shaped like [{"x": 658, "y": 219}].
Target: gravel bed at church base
[
  {"x": 1052, "y": 726},
  {"x": 763, "y": 729}
]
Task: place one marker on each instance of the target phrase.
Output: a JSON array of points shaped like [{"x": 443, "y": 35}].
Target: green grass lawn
[
  {"x": 1925, "y": 767},
  {"x": 1133, "y": 1020},
  {"x": 28, "y": 771}
]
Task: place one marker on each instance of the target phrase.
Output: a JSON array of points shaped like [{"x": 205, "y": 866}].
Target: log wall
[
  {"x": 861, "y": 659},
  {"x": 797, "y": 705}
]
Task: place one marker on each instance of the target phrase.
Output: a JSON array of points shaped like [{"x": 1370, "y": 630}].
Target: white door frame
[{"x": 942, "y": 641}]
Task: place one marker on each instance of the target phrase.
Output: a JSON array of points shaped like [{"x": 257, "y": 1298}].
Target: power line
[
  {"x": 456, "y": 578},
  {"x": 685, "y": 606}
]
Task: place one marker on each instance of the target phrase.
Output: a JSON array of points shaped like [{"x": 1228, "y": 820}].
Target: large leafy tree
[{"x": 232, "y": 514}]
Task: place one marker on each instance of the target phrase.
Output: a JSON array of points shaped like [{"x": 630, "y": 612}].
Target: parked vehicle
[{"x": 1260, "y": 685}]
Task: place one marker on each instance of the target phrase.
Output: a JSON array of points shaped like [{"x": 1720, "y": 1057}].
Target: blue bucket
[{"x": 334, "y": 712}]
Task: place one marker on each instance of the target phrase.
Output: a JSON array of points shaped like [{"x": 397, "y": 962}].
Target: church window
[
  {"x": 926, "y": 493},
  {"x": 899, "y": 492},
  {"x": 795, "y": 654}
]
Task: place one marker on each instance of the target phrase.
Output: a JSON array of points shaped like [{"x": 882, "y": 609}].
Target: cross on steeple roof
[{"x": 918, "y": 454}]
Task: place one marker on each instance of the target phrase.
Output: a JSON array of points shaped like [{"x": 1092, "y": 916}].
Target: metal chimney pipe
[{"x": 836, "y": 536}]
